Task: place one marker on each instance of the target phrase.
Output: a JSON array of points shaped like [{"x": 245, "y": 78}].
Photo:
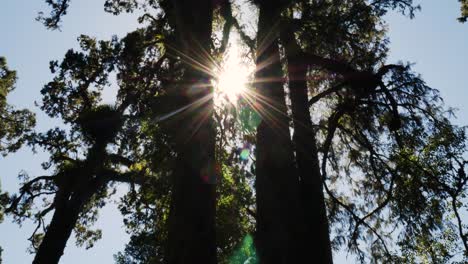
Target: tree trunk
[
  {"x": 306, "y": 154},
  {"x": 191, "y": 236},
  {"x": 61, "y": 226},
  {"x": 76, "y": 188},
  {"x": 279, "y": 223}
]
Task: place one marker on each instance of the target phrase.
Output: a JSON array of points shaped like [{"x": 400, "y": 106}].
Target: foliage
[
  {"x": 90, "y": 150},
  {"x": 398, "y": 180},
  {"x": 464, "y": 11},
  {"x": 15, "y": 124},
  {"x": 146, "y": 213},
  {"x": 59, "y": 9},
  {"x": 386, "y": 137},
  {"x": 245, "y": 252},
  {"x": 391, "y": 160}
]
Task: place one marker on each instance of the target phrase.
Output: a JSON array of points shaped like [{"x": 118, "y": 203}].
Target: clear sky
[{"x": 434, "y": 40}]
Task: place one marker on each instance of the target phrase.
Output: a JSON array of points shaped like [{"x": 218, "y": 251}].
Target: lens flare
[
  {"x": 244, "y": 154},
  {"x": 245, "y": 252},
  {"x": 232, "y": 79}
]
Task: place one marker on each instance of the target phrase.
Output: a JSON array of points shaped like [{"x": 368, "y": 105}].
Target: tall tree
[
  {"x": 194, "y": 175},
  {"x": 361, "y": 75},
  {"x": 194, "y": 178},
  {"x": 311, "y": 189},
  {"x": 233, "y": 217},
  {"x": 320, "y": 17},
  {"x": 94, "y": 152},
  {"x": 279, "y": 221}
]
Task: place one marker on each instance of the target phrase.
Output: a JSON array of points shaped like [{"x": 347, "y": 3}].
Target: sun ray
[
  {"x": 231, "y": 81},
  {"x": 189, "y": 107},
  {"x": 202, "y": 62}
]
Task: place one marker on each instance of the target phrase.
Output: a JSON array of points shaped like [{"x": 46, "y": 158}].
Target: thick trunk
[
  {"x": 279, "y": 223},
  {"x": 69, "y": 202},
  {"x": 60, "y": 228},
  {"x": 306, "y": 154},
  {"x": 192, "y": 218}
]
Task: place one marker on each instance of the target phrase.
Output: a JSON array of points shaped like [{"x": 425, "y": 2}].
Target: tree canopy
[{"x": 332, "y": 147}]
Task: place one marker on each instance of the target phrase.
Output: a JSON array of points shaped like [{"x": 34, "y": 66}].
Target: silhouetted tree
[
  {"x": 306, "y": 152},
  {"x": 82, "y": 159},
  {"x": 193, "y": 195},
  {"x": 280, "y": 223},
  {"x": 363, "y": 92},
  {"x": 190, "y": 91}
]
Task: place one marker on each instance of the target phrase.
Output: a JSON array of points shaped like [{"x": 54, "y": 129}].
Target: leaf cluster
[{"x": 15, "y": 125}]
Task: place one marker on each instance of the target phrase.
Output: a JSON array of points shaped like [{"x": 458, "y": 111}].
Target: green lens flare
[
  {"x": 245, "y": 253},
  {"x": 245, "y": 153}
]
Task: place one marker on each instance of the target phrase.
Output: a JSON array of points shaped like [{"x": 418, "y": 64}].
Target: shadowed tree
[
  {"x": 280, "y": 223},
  {"x": 378, "y": 83},
  {"x": 190, "y": 96},
  {"x": 383, "y": 86},
  {"x": 311, "y": 190},
  {"x": 304, "y": 137},
  {"x": 191, "y": 236},
  {"x": 94, "y": 152},
  {"x": 152, "y": 205},
  {"x": 193, "y": 194}
]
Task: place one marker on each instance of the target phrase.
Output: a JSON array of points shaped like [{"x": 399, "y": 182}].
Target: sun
[
  {"x": 232, "y": 78},
  {"x": 232, "y": 83}
]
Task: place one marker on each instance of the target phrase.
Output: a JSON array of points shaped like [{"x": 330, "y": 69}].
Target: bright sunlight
[{"x": 232, "y": 79}]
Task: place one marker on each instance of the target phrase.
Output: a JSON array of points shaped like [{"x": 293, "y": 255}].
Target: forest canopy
[{"x": 244, "y": 132}]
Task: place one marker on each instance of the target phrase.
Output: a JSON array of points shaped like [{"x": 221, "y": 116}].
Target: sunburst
[{"x": 232, "y": 78}]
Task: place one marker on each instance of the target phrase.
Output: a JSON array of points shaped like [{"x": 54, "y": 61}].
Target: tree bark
[
  {"x": 191, "y": 236},
  {"x": 75, "y": 190},
  {"x": 63, "y": 221},
  {"x": 306, "y": 153},
  {"x": 279, "y": 220}
]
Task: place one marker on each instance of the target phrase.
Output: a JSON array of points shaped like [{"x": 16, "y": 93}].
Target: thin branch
[
  {"x": 463, "y": 236},
  {"x": 325, "y": 93},
  {"x": 332, "y": 126}
]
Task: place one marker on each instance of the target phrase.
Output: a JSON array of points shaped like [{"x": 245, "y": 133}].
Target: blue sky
[{"x": 434, "y": 40}]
